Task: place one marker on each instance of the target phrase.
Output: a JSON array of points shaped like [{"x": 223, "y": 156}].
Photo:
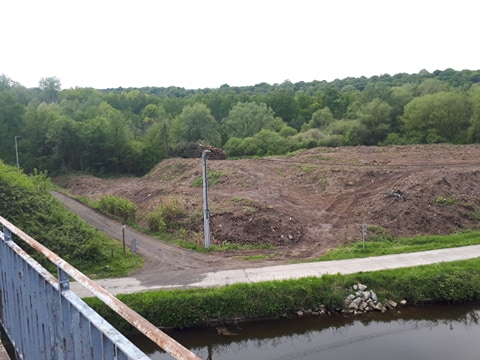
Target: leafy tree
[
  {"x": 344, "y": 132},
  {"x": 439, "y": 117},
  {"x": 152, "y": 114},
  {"x": 247, "y": 119},
  {"x": 305, "y": 107},
  {"x": 51, "y": 87},
  {"x": 321, "y": 119},
  {"x": 118, "y": 137},
  {"x": 287, "y": 131},
  {"x": 34, "y": 137},
  {"x": 220, "y": 102},
  {"x": 376, "y": 90},
  {"x": 401, "y": 96},
  {"x": 474, "y": 100},
  {"x": 158, "y": 141},
  {"x": 5, "y": 82},
  {"x": 97, "y": 150},
  {"x": 432, "y": 86},
  {"x": 64, "y": 136},
  {"x": 282, "y": 102},
  {"x": 11, "y": 125},
  {"x": 136, "y": 101},
  {"x": 337, "y": 102},
  {"x": 80, "y": 104},
  {"x": 375, "y": 119},
  {"x": 270, "y": 143},
  {"x": 195, "y": 123}
]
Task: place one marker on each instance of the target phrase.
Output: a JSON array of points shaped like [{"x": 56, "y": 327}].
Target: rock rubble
[{"x": 362, "y": 300}]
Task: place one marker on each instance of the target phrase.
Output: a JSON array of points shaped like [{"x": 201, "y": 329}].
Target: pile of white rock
[{"x": 363, "y": 300}]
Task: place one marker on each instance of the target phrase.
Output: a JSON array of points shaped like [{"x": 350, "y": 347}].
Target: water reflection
[{"x": 416, "y": 333}]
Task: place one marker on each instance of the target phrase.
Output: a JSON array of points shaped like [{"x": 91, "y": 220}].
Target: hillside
[{"x": 314, "y": 200}]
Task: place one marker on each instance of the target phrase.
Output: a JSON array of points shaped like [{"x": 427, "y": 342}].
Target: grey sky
[{"x": 207, "y": 43}]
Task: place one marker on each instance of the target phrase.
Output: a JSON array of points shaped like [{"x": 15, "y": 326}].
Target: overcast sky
[{"x": 208, "y": 43}]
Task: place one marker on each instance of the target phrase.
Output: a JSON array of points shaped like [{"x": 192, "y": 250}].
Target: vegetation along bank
[{"x": 448, "y": 282}]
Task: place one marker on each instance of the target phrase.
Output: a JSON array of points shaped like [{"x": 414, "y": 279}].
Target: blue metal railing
[{"x": 44, "y": 319}]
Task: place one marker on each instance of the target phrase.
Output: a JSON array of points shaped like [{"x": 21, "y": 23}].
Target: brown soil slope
[{"x": 314, "y": 200}]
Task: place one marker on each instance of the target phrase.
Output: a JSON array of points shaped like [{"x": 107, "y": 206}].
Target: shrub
[
  {"x": 118, "y": 207},
  {"x": 166, "y": 216}
]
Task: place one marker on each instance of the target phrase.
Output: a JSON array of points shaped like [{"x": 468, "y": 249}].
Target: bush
[
  {"x": 118, "y": 207},
  {"x": 27, "y": 203},
  {"x": 166, "y": 216}
]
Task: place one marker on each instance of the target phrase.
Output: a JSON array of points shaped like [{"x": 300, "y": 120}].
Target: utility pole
[
  {"x": 206, "y": 210},
  {"x": 16, "y": 150}
]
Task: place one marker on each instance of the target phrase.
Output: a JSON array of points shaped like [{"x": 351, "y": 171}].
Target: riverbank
[{"x": 451, "y": 282}]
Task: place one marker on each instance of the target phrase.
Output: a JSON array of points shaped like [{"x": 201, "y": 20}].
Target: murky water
[{"x": 415, "y": 333}]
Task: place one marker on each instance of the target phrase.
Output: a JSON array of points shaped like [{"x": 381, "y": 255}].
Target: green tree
[
  {"x": 282, "y": 102},
  {"x": 80, "y": 104},
  {"x": 152, "y": 114},
  {"x": 195, "y": 124},
  {"x": 474, "y": 100},
  {"x": 64, "y": 136},
  {"x": 337, "y": 102},
  {"x": 34, "y": 138},
  {"x": 321, "y": 119},
  {"x": 97, "y": 151},
  {"x": 375, "y": 119},
  {"x": 376, "y": 90},
  {"x": 305, "y": 107},
  {"x": 5, "y": 82},
  {"x": 50, "y": 87},
  {"x": 247, "y": 119},
  {"x": 270, "y": 143},
  {"x": 118, "y": 136},
  {"x": 439, "y": 117},
  {"x": 401, "y": 96},
  {"x": 11, "y": 125},
  {"x": 158, "y": 141},
  {"x": 432, "y": 86}
]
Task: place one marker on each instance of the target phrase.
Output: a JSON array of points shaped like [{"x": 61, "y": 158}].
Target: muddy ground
[{"x": 299, "y": 206}]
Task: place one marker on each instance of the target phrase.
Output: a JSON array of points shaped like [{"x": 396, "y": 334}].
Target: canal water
[{"x": 430, "y": 332}]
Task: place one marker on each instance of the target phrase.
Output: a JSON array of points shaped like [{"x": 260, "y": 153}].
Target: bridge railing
[{"x": 44, "y": 319}]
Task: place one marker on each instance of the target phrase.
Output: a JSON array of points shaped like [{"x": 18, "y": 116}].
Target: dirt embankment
[{"x": 304, "y": 204}]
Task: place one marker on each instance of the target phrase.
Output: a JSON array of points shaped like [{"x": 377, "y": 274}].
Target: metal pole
[
  {"x": 123, "y": 238},
  {"x": 16, "y": 150},
  {"x": 206, "y": 210},
  {"x": 364, "y": 234}
]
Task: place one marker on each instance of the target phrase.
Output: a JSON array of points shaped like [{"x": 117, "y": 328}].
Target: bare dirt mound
[{"x": 299, "y": 206}]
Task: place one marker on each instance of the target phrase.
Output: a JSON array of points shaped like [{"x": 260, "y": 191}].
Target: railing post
[
  {"x": 63, "y": 280},
  {"x": 7, "y": 235}
]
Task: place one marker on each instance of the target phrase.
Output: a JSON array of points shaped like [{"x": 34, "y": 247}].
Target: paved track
[{"x": 292, "y": 271}]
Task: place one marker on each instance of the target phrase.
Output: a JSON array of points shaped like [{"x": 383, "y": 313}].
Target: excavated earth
[{"x": 299, "y": 206}]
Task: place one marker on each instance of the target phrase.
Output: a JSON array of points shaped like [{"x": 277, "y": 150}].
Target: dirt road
[{"x": 165, "y": 264}]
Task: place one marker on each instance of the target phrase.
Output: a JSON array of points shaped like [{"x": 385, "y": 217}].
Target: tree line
[{"x": 128, "y": 131}]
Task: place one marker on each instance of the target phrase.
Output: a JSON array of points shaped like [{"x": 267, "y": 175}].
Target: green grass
[
  {"x": 213, "y": 178},
  {"x": 381, "y": 245},
  {"x": 452, "y": 282},
  {"x": 114, "y": 263},
  {"x": 446, "y": 201}
]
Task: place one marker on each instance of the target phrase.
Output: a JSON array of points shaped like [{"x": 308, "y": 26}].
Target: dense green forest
[{"x": 128, "y": 131}]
